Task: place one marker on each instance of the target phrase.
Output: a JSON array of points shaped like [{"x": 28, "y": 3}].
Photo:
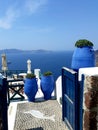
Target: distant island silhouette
[{"x": 22, "y": 51}]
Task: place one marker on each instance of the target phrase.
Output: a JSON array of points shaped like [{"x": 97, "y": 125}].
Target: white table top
[{"x": 88, "y": 71}]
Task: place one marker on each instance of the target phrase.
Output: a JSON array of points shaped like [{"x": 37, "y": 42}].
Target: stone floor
[{"x": 45, "y": 115}]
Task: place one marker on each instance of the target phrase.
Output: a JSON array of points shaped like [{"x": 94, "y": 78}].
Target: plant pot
[
  {"x": 30, "y": 88},
  {"x": 47, "y": 86},
  {"x": 83, "y": 57}
]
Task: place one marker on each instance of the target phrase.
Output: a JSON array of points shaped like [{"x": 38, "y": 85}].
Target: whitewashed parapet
[
  {"x": 59, "y": 89},
  {"x": 90, "y": 103}
]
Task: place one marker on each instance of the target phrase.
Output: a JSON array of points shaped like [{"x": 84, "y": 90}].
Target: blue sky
[{"x": 47, "y": 24}]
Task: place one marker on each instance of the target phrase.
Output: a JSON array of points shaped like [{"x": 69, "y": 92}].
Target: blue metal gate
[{"x": 71, "y": 102}]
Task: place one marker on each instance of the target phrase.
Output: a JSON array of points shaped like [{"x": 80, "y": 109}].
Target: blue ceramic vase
[
  {"x": 30, "y": 88},
  {"x": 83, "y": 57},
  {"x": 47, "y": 86}
]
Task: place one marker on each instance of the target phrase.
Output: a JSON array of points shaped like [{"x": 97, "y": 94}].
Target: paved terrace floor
[
  {"x": 47, "y": 115},
  {"x": 39, "y": 115}
]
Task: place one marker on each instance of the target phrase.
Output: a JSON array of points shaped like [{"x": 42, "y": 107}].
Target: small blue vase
[
  {"x": 30, "y": 88},
  {"x": 47, "y": 86}
]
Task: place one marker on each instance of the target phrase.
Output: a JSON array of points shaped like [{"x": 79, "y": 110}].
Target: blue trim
[{"x": 3, "y": 103}]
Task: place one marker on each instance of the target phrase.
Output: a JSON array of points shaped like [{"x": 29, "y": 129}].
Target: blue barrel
[
  {"x": 30, "y": 88},
  {"x": 47, "y": 86},
  {"x": 83, "y": 57}
]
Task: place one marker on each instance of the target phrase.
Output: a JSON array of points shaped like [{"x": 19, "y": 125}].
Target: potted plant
[
  {"x": 47, "y": 84},
  {"x": 83, "y": 43},
  {"x": 30, "y": 86},
  {"x": 83, "y": 55}
]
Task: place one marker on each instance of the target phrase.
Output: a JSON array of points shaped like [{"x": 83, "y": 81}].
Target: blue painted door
[{"x": 70, "y": 99}]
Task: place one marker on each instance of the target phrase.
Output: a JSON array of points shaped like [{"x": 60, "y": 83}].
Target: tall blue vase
[
  {"x": 47, "y": 86},
  {"x": 83, "y": 57},
  {"x": 30, "y": 88}
]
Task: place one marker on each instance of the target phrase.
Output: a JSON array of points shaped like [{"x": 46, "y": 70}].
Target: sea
[{"x": 52, "y": 61}]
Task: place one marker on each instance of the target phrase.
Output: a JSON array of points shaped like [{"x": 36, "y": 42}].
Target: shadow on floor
[{"x": 38, "y": 128}]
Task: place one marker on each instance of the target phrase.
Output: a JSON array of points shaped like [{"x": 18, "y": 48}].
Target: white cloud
[
  {"x": 34, "y": 5},
  {"x": 9, "y": 18},
  {"x": 4, "y": 24},
  {"x": 37, "y": 29},
  {"x": 19, "y": 9}
]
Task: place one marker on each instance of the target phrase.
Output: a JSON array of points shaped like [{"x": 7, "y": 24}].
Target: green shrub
[
  {"x": 83, "y": 42},
  {"x": 30, "y": 75},
  {"x": 47, "y": 73}
]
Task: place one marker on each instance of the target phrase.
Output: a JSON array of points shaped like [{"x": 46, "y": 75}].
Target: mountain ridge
[
  {"x": 22, "y": 51},
  {"x": 31, "y": 51}
]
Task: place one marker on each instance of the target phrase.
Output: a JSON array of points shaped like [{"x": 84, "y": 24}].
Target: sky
[{"x": 47, "y": 24}]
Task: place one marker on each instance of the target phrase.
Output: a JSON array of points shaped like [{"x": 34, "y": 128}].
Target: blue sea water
[{"x": 46, "y": 61}]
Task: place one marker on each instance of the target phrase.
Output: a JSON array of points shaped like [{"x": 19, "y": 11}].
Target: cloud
[
  {"x": 37, "y": 29},
  {"x": 10, "y": 16},
  {"x": 34, "y": 5},
  {"x": 19, "y": 9}
]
